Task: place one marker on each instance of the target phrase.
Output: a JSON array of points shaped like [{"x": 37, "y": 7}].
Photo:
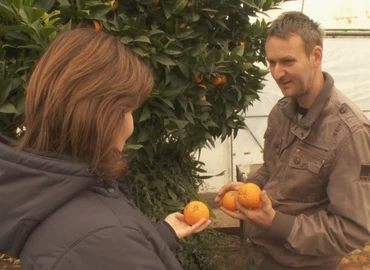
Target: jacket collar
[{"x": 289, "y": 105}]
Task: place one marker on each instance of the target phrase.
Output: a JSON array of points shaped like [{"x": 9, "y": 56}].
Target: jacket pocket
[
  {"x": 303, "y": 179},
  {"x": 273, "y": 140}
]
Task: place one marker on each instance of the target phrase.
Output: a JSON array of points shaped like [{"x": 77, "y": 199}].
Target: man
[{"x": 316, "y": 161}]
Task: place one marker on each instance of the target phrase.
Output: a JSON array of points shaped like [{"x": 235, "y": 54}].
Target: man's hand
[
  {"x": 221, "y": 193},
  {"x": 261, "y": 217}
]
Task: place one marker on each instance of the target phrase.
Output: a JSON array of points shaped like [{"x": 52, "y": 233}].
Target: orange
[
  {"x": 204, "y": 98},
  {"x": 115, "y": 6},
  {"x": 198, "y": 79},
  {"x": 249, "y": 196},
  {"x": 242, "y": 43},
  {"x": 216, "y": 81},
  {"x": 260, "y": 206},
  {"x": 228, "y": 201},
  {"x": 194, "y": 211},
  {"x": 98, "y": 26},
  {"x": 223, "y": 79},
  {"x": 203, "y": 86}
]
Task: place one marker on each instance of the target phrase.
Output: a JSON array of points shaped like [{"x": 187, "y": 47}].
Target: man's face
[{"x": 289, "y": 65}]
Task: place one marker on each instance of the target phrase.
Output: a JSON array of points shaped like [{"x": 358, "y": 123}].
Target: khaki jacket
[{"x": 317, "y": 173}]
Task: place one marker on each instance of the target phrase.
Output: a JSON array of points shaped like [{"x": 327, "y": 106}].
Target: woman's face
[{"x": 126, "y": 129}]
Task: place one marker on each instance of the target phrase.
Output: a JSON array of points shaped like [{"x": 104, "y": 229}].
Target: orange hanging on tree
[
  {"x": 197, "y": 79},
  {"x": 115, "y": 6},
  {"x": 223, "y": 79},
  {"x": 216, "y": 81},
  {"x": 97, "y": 25},
  {"x": 194, "y": 211}
]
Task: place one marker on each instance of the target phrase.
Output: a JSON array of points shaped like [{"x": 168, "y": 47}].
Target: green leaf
[
  {"x": 168, "y": 103},
  {"x": 173, "y": 124},
  {"x": 238, "y": 50},
  {"x": 33, "y": 14},
  {"x": 143, "y": 39},
  {"x": 80, "y": 4},
  {"x": 189, "y": 188},
  {"x": 20, "y": 106},
  {"x": 64, "y": 3},
  {"x": 174, "y": 203},
  {"x": 47, "y": 32},
  {"x": 145, "y": 114},
  {"x": 44, "y": 4},
  {"x": 164, "y": 60},
  {"x": 17, "y": 3},
  {"x": 139, "y": 51},
  {"x": 143, "y": 136},
  {"x": 185, "y": 70},
  {"x": 172, "y": 91},
  {"x": 5, "y": 89},
  {"x": 16, "y": 35},
  {"x": 8, "y": 108},
  {"x": 33, "y": 47},
  {"x": 97, "y": 11},
  {"x": 220, "y": 22},
  {"x": 195, "y": 17},
  {"x": 2, "y": 72},
  {"x": 172, "y": 52},
  {"x": 180, "y": 6},
  {"x": 126, "y": 40},
  {"x": 6, "y": 13},
  {"x": 134, "y": 146},
  {"x": 185, "y": 34},
  {"x": 171, "y": 194}
]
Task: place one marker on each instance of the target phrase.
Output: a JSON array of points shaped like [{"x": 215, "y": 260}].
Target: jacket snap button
[
  {"x": 297, "y": 160},
  {"x": 110, "y": 190},
  {"x": 276, "y": 144},
  {"x": 343, "y": 109}
]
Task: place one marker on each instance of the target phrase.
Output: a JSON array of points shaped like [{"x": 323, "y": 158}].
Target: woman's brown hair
[{"x": 77, "y": 97}]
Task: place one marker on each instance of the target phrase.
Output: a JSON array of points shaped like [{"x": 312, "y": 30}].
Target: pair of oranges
[{"x": 248, "y": 196}]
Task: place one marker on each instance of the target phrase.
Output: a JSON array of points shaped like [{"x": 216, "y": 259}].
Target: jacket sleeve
[
  {"x": 167, "y": 233},
  {"x": 113, "y": 248},
  {"x": 344, "y": 225}
]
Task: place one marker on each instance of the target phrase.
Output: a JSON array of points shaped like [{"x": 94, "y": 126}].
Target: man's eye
[{"x": 288, "y": 62}]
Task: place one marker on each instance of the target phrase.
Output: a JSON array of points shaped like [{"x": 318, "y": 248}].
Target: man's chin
[{"x": 287, "y": 92}]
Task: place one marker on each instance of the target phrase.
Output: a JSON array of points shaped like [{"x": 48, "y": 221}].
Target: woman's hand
[
  {"x": 261, "y": 217},
  {"x": 181, "y": 228}
]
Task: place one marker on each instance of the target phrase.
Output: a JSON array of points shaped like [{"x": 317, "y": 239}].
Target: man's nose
[{"x": 278, "y": 71}]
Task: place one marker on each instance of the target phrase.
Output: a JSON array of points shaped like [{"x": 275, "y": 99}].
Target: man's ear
[{"x": 317, "y": 56}]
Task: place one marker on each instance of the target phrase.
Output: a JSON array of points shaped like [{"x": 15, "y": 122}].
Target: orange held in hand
[
  {"x": 194, "y": 211},
  {"x": 249, "y": 196},
  {"x": 228, "y": 201},
  {"x": 270, "y": 203}
]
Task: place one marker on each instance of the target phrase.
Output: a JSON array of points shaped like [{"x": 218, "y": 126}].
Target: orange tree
[{"x": 203, "y": 54}]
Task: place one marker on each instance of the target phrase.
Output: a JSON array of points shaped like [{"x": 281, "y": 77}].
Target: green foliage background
[{"x": 178, "y": 39}]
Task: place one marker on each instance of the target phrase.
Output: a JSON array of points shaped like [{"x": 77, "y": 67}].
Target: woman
[{"x": 63, "y": 201}]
